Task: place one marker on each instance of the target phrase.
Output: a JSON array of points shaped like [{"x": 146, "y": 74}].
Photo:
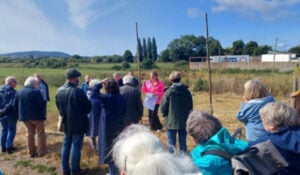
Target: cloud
[
  {"x": 84, "y": 12},
  {"x": 266, "y": 9},
  {"x": 193, "y": 12}
]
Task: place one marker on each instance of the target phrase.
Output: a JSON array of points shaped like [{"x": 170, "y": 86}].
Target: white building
[{"x": 278, "y": 57}]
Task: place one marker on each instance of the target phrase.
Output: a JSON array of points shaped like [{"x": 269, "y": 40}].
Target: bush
[
  {"x": 148, "y": 64},
  {"x": 116, "y": 67},
  {"x": 182, "y": 64},
  {"x": 200, "y": 85},
  {"x": 125, "y": 65}
]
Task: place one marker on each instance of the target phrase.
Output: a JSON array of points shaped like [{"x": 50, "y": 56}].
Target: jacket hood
[
  {"x": 288, "y": 139},
  {"x": 178, "y": 88},
  {"x": 222, "y": 140}
]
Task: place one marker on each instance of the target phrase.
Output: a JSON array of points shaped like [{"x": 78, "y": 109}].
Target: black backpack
[{"x": 260, "y": 159}]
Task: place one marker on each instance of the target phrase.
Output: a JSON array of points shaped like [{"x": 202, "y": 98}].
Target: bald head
[{"x": 11, "y": 81}]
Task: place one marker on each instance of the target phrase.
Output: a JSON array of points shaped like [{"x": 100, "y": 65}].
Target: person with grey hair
[
  {"x": 8, "y": 114},
  {"x": 135, "y": 80},
  {"x": 32, "y": 113},
  {"x": 176, "y": 105},
  {"x": 208, "y": 132},
  {"x": 137, "y": 151},
  {"x": 134, "y": 104},
  {"x": 118, "y": 79},
  {"x": 283, "y": 125}
]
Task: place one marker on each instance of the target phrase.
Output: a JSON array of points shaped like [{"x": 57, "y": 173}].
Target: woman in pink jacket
[{"x": 156, "y": 87}]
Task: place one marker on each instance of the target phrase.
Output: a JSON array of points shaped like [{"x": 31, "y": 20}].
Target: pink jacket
[{"x": 157, "y": 90}]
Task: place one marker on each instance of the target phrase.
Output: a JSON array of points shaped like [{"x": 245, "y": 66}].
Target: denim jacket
[{"x": 249, "y": 115}]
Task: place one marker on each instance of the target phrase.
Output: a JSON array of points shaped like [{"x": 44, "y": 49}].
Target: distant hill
[{"x": 35, "y": 54}]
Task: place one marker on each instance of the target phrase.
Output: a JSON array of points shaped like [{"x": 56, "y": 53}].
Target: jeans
[
  {"x": 172, "y": 139},
  {"x": 71, "y": 144},
  {"x": 9, "y": 128},
  {"x": 33, "y": 127}
]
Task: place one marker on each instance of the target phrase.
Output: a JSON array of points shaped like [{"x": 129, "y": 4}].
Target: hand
[{"x": 291, "y": 95}]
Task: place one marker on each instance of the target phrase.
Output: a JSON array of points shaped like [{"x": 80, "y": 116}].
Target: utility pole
[
  {"x": 138, "y": 54},
  {"x": 209, "y": 67},
  {"x": 273, "y": 65}
]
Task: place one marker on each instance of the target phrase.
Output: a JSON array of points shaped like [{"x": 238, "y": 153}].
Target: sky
[{"x": 106, "y": 27}]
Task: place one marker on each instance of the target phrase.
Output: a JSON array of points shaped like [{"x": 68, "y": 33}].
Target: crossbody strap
[{"x": 224, "y": 154}]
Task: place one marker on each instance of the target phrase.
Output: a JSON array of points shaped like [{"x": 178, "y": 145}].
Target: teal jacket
[
  {"x": 212, "y": 164},
  {"x": 176, "y": 105}
]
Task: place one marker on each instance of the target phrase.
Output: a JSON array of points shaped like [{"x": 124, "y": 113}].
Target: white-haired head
[
  {"x": 93, "y": 83},
  {"x": 138, "y": 151},
  {"x": 128, "y": 79},
  {"x": 10, "y": 79},
  {"x": 31, "y": 81}
]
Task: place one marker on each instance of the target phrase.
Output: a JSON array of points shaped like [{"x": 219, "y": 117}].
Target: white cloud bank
[{"x": 266, "y": 9}]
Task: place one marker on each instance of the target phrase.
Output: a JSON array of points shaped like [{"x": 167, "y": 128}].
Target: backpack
[{"x": 260, "y": 159}]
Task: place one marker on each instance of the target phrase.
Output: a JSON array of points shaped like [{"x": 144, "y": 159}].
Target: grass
[{"x": 227, "y": 96}]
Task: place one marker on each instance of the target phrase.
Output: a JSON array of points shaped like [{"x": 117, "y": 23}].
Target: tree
[
  {"x": 149, "y": 49},
  {"x": 164, "y": 56},
  {"x": 295, "y": 49},
  {"x": 186, "y": 46},
  {"x": 127, "y": 56},
  {"x": 238, "y": 47},
  {"x": 215, "y": 47},
  {"x": 139, "y": 49},
  {"x": 154, "y": 49},
  {"x": 144, "y": 48},
  {"x": 250, "y": 47},
  {"x": 262, "y": 50}
]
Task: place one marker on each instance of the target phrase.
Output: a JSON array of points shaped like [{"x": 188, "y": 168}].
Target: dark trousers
[
  {"x": 172, "y": 139},
  {"x": 154, "y": 121}
]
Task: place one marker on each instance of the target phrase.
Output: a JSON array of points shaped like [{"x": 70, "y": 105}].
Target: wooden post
[
  {"x": 209, "y": 67},
  {"x": 273, "y": 65},
  {"x": 138, "y": 54}
]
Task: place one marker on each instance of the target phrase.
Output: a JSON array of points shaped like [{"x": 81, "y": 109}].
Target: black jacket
[
  {"x": 30, "y": 104},
  {"x": 73, "y": 106},
  {"x": 8, "y": 107}
]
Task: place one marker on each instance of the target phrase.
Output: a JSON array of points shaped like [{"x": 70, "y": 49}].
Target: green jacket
[
  {"x": 176, "y": 105},
  {"x": 213, "y": 164}
]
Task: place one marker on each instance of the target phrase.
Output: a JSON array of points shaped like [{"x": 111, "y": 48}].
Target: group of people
[
  {"x": 132, "y": 149},
  {"x": 27, "y": 105}
]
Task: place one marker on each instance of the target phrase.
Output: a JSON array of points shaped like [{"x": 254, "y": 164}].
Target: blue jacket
[
  {"x": 287, "y": 142},
  {"x": 31, "y": 105},
  {"x": 85, "y": 87},
  {"x": 9, "y": 109},
  {"x": 212, "y": 164},
  {"x": 95, "y": 113},
  {"x": 249, "y": 115},
  {"x": 114, "y": 106}
]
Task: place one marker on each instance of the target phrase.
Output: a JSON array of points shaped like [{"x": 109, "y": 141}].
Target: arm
[
  {"x": 242, "y": 115},
  {"x": 140, "y": 107},
  {"x": 160, "y": 89},
  {"x": 145, "y": 88},
  {"x": 83, "y": 101},
  {"x": 164, "y": 105},
  {"x": 9, "y": 106}
]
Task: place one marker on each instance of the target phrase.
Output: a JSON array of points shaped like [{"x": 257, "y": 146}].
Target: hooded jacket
[
  {"x": 249, "y": 115},
  {"x": 9, "y": 109},
  {"x": 287, "y": 142},
  {"x": 176, "y": 105},
  {"x": 212, "y": 164}
]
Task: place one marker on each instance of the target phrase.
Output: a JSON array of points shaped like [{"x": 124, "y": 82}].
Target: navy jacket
[
  {"x": 287, "y": 142},
  {"x": 73, "y": 106},
  {"x": 9, "y": 110},
  {"x": 30, "y": 104}
]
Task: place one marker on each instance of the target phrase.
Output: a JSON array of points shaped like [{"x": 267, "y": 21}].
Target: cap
[{"x": 72, "y": 73}]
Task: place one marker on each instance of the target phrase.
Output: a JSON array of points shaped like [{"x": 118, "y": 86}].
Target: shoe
[
  {"x": 11, "y": 150},
  {"x": 66, "y": 173},
  {"x": 3, "y": 150},
  {"x": 82, "y": 171},
  {"x": 33, "y": 155}
]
